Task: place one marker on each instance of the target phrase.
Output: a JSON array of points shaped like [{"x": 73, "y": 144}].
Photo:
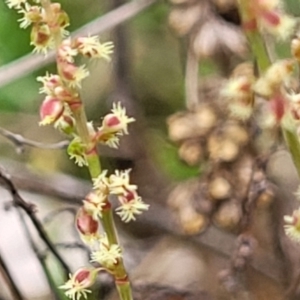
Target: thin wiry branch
[
  {"x": 33, "y": 62},
  {"x": 41, "y": 257},
  {"x": 19, "y": 141},
  {"x": 30, "y": 210},
  {"x": 15, "y": 292}
]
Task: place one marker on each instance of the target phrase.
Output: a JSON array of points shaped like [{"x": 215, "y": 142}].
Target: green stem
[
  {"x": 256, "y": 41},
  {"x": 124, "y": 290},
  {"x": 94, "y": 167},
  {"x": 107, "y": 221}
]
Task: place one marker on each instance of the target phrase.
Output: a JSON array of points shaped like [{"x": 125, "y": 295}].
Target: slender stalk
[
  {"x": 107, "y": 218},
  {"x": 94, "y": 167},
  {"x": 256, "y": 41},
  {"x": 15, "y": 292},
  {"x": 263, "y": 60},
  {"x": 124, "y": 291}
]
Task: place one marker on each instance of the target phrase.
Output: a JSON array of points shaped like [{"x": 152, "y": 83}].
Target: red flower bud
[
  {"x": 85, "y": 223},
  {"x": 51, "y": 110},
  {"x": 112, "y": 123}
]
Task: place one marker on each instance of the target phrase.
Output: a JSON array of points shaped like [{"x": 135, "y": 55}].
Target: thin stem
[
  {"x": 15, "y": 292},
  {"x": 124, "y": 290},
  {"x": 256, "y": 41},
  {"x": 107, "y": 222}
]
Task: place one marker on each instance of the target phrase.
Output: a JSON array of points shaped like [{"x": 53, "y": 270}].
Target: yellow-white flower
[
  {"x": 129, "y": 209},
  {"x": 119, "y": 183},
  {"x": 78, "y": 284},
  {"x": 92, "y": 48},
  {"x": 292, "y": 227},
  {"x": 107, "y": 255}
]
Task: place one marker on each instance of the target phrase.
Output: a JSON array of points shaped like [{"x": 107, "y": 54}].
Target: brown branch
[
  {"x": 41, "y": 257},
  {"x": 32, "y": 62},
  {"x": 19, "y": 141},
  {"x": 15, "y": 292},
  {"x": 29, "y": 209}
]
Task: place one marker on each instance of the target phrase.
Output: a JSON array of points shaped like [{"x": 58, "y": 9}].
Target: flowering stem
[
  {"x": 107, "y": 222},
  {"x": 107, "y": 218},
  {"x": 93, "y": 161},
  {"x": 263, "y": 60},
  {"x": 124, "y": 291},
  {"x": 254, "y": 37}
]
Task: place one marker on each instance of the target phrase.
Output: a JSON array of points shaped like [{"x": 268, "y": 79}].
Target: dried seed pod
[
  {"x": 191, "y": 152},
  {"x": 187, "y": 125},
  {"x": 205, "y": 117},
  {"x": 191, "y": 221},
  {"x": 183, "y": 19},
  {"x": 228, "y": 216},
  {"x": 221, "y": 149},
  {"x": 265, "y": 199},
  {"x": 183, "y": 193},
  {"x": 219, "y": 188},
  {"x": 236, "y": 133}
]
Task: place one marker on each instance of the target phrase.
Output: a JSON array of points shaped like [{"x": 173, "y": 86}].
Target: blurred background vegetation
[{"x": 156, "y": 66}]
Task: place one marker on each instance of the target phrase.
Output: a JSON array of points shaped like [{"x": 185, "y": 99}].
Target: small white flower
[
  {"x": 292, "y": 227},
  {"x": 107, "y": 255},
  {"x": 128, "y": 210},
  {"x": 92, "y": 48},
  {"x": 94, "y": 203},
  {"x": 101, "y": 182},
  {"x": 119, "y": 183},
  {"x": 76, "y": 286},
  {"x": 120, "y": 113},
  {"x": 50, "y": 83}
]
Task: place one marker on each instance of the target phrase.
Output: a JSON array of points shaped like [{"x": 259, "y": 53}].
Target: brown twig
[
  {"x": 30, "y": 211},
  {"x": 40, "y": 256},
  {"x": 15, "y": 292},
  {"x": 33, "y": 62},
  {"x": 19, "y": 141}
]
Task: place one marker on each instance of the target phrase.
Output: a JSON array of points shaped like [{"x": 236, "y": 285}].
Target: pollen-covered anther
[{"x": 51, "y": 110}]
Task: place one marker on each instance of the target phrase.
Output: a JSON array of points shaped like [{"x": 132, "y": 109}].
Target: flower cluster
[
  {"x": 269, "y": 16},
  {"x": 79, "y": 283},
  {"x": 44, "y": 29},
  {"x": 118, "y": 184},
  {"x": 113, "y": 126}
]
